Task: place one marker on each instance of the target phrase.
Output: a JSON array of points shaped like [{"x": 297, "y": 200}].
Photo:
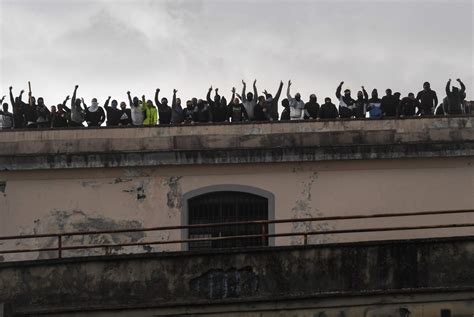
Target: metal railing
[{"x": 60, "y": 248}]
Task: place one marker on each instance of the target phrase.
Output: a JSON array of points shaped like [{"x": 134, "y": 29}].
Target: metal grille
[{"x": 227, "y": 206}]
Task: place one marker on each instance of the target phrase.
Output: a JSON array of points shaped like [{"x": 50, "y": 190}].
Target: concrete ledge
[
  {"x": 237, "y": 143},
  {"x": 264, "y": 274}
]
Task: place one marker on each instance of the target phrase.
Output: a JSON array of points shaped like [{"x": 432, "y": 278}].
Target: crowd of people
[{"x": 249, "y": 106}]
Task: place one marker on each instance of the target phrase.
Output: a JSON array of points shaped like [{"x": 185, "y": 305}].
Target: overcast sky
[{"x": 110, "y": 46}]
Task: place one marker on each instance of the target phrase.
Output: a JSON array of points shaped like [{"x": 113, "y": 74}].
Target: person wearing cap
[
  {"x": 346, "y": 103},
  {"x": 427, "y": 99},
  {"x": 95, "y": 115}
]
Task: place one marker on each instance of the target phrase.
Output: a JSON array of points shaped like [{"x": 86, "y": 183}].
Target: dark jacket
[
  {"x": 389, "y": 106},
  {"x": 428, "y": 101},
  {"x": 328, "y": 111}
]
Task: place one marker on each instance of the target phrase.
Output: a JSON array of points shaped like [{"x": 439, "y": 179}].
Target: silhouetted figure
[
  {"x": 136, "y": 110},
  {"x": 374, "y": 109},
  {"x": 202, "y": 112},
  {"x": 249, "y": 100},
  {"x": 61, "y": 116},
  {"x": 346, "y": 103},
  {"x": 328, "y": 110},
  {"x": 285, "y": 114},
  {"x": 455, "y": 98},
  {"x": 177, "y": 115},
  {"x": 218, "y": 106},
  {"x": 439, "y": 111},
  {"x": 31, "y": 115},
  {"x": 43, "y": 119},
  {"x": 271, "y": 103},
  {"x": 6, "y": 117},
  {"x": 95, "y": 115},
  {"x": 408, "y": 106},
  {"x": 261, "y": 110},
  {"x": 77, "y": 113},
  {"x": 389, "y": 104},
  {"x": 427, "y": 99},
  {"x": 17, "y": 109},
  {"x": 296, "y": 104},
  {"x": 311, "y": 108},
  {"x": 164, "y": 111},
  {"x": 361, "y": 104},
  {"x": 188, "y": 112},
  {"x": 125, "y": 115},
  {"x": 113, "y": 113},
  {"x": 236, "y": 110}
]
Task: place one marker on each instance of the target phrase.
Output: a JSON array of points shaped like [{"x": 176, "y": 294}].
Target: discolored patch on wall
[
  {"x": 231, "y": 283},
  {"x": 3, "y": 188},
  {"x": 139, "y": 190},
  {"x": 174, "y": 195},
  {"x": 59, "y": 221},
  {"x": 303, "y": 208}
]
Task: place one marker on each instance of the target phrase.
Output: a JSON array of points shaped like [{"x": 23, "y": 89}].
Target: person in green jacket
[{"x": 151, "y": 114}]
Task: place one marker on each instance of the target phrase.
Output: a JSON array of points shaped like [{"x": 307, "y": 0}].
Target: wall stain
[
  {"x": 93, "y": 184},
  {"x": 303, "y": 208},
  {"x": 174, "y": 195},
  {"x": 139, "y": 189},
  {"x": 78, "y": 220},
  {"x": 119, "y": 180},
  {"x": 231, "y": 283}
]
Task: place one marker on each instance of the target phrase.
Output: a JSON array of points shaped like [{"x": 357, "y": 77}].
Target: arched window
[{"x": 231, "y": 203}]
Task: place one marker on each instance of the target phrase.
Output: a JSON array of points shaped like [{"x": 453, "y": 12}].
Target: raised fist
[
  {"x": 174, "y": 91},
  {"x": 11, "y": 88},
  {"x": 128, "y": 92},
  {"x": 77, "y": 86}
]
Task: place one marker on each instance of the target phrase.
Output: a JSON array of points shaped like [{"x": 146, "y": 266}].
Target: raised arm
[
  {"x": 448, "y": 87},
  {"x": 244, "y": 96},
  {"x": 21, "y": 96},
  {"x": 157, "y": 100},
  {"x": 130, "y": 99},
  {"x": 233, "y": 96},
  {"x": 64, "y": 104},
  {"x": 106, "y": 104},
  {"x": 278, "y": 94},
  {"x": 173, "y": 102},
  {"x": 255, "y": 92},
  {"x": 463, "y": 87},
  {"x": 73, "y": 100},
  {"x": 3, "y": 98},
  {"x": 366, "y": 95},
  {"x": 208, "y": 96},
  {"x": 288, "y": 95},
  {"x": 12, "y": 100},
  {"x": 338, "y": 90}
]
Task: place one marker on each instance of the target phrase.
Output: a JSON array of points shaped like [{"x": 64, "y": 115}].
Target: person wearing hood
[
  {"x": 346, "y": 103},
  {"x": 77, "y": 113},
  {"x": 272, "y": 102},
  {"x": 361, "y": 104},
  {"x": 164, "y": 111},
  {"x": 389, "y": 104},
  {"x": 177, "y": 115},
  {"x": 374, "y": 105},
  {"x": 311, "y": 108},
  {"x": 95, "y": 115},
  {"x": 328, "y": 110},
  {"x": 236, "y": 110},
  {"x": 285, "y": 114},
  {"x": 455, "y": 98},
  {"x": 202, "y": 112},
  {"x": 60, "y": 117},
  {"x": 44, "y": 115},
  {"x": 17, "y": 108},
  {"x": 296, "y": 104},
  {"x": 136, "y": 110},
  {"x": 408, "y": 106},
  {"x": 427, "y": 99},
  {"x": 218, "y": 106},
  {"x": 151, "y": 115},
  {"x": 249, "y": 100},
  {"x": 113, "y": 113},
  {"x": 188, "y": 112}
]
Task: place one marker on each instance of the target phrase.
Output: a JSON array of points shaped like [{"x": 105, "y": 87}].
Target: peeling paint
[
  {"x": 304, "y": 209},
  {"x": 119, "y": 180},
  {"x": 174, "y": 195},
  {"x": 139, "y": 189},
  {"x": 93, "y": 184}
]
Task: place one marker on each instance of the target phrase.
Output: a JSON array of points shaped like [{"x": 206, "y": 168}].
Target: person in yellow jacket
[{"x": 151, "y": 114}]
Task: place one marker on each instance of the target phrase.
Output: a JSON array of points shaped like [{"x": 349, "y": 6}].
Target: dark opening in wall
[
  {"x": 3, "y": 186},
  {"x": 445, "y": 312}
]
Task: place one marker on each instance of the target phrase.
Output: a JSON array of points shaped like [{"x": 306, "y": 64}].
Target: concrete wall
[
  {"x": 76, "y": 180},
  {"x": 371, "y": 279}
]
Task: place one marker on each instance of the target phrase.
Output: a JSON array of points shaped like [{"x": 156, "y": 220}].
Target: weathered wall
[
  {"x": 355, "y": 271},
  {"x": 64, "y": 201}
]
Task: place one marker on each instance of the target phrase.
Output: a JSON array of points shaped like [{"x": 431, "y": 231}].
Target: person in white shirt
[{"x": 296, "y": 105}]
